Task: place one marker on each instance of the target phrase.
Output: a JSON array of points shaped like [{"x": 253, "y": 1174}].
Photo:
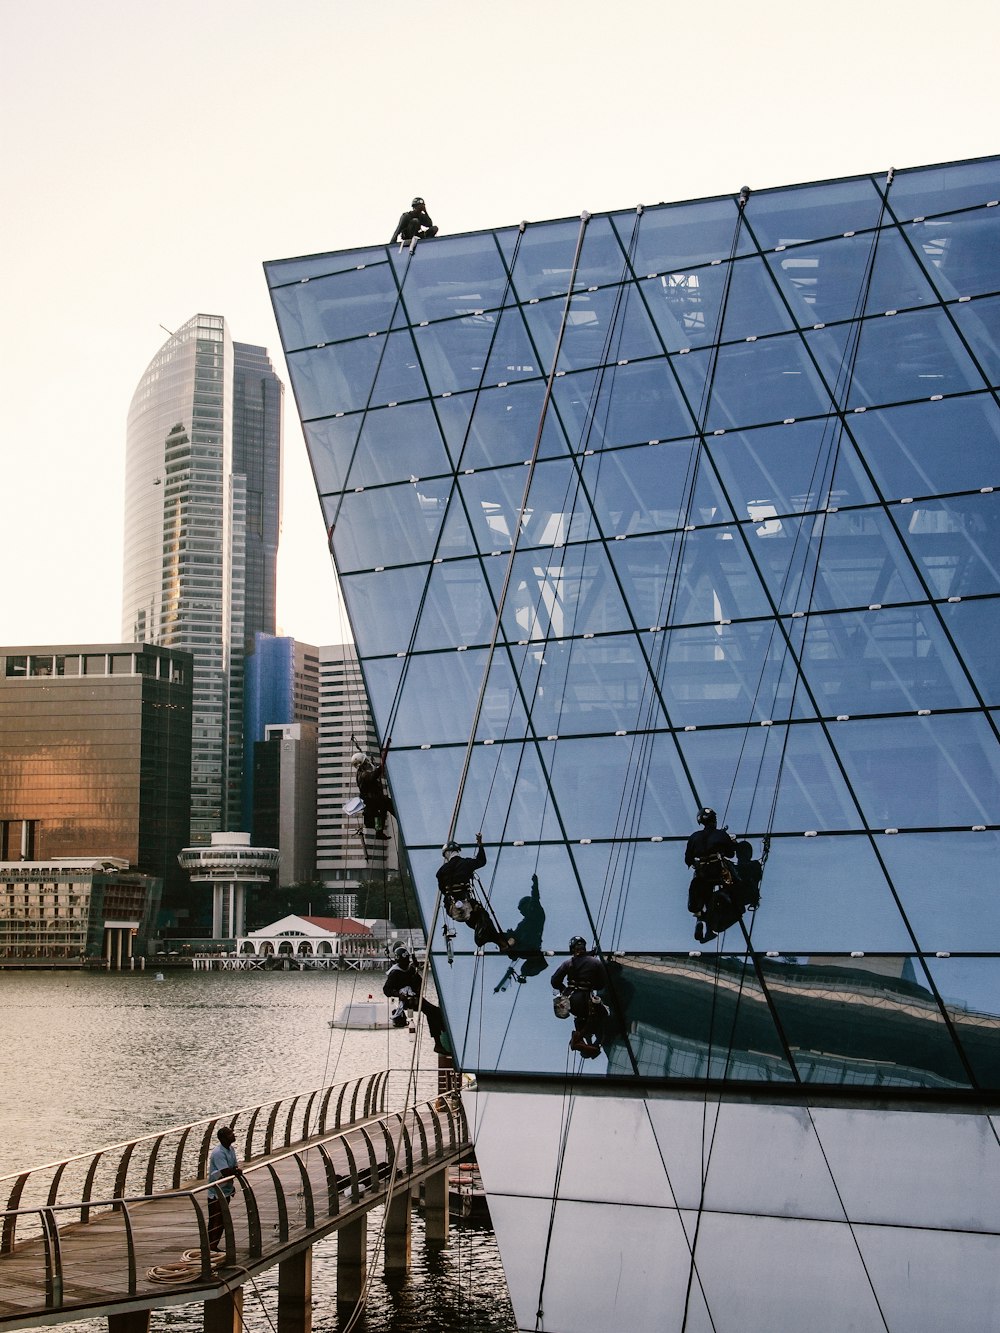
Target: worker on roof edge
[{"x": 414, "y": 224}]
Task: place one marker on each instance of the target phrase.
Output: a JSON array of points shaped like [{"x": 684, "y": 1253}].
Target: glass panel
[
  {"x": 601, "y": 326},
  {"x": 330, "y": 445},
  {"x": 382, "y": 676},
  {"x": 955, "y": 542},
  {"x": 781, "y": 217},
  {"x": 975, "y": 627},
  {"x": 439, "y": 699},
  {"x": 959, "y": 252},
  {"x": 897, "y": 280},
  {"x": 782, "y": 469},
  {"x": 861, "y": 561},
  {"x": 280, "y": 271},
  {"x": 911, "y": 355},
  {"x": 885, "y": 661},
  {"x": 717, "y": 580},
  {"x": 675, "y": 236},
  {"x": 947, "y": 885},
  {"x": 940, "y": 189},
  {"x": 454, "y": 353},
  {"x": 970, "y": 989},
  {"x": 736, "y": 773},
  {"x": 399, "y": 375},
  {"x": 979, "y": 324},
  {"x": 824, "y": 282},
  {"x": 685, "y": 305},
  {"x": 647, "y": 488},
  {"x": 395, "y": 444},
  {"x": 383, "y": 607},
  {"x": 334, "y": 379},
  {"x": 740, "y": 672},
  {"x": 512, "y": 357},
  {"x": 458, "y": 608},
  {"x": 869, "y": 1021},
  {"x": 601, "y": 259},
  {"x": 701, "y": 1017},
  {"x": 911, "y": 449},
  {"x": 758, "y": 383},
  {"x": 556, "y": 511},
  {"x": 387, "y": 525},
  {"x": 826, "y": 895},
  {"x": 913, "y": 772},
  {"x": 504, "y": 424},
  {"x": 640, "y": 402},
  {"x": 590, "y": 774},
  {"x": 455, "y": 275},
  {"x": 560, "y": 592},
  {"x": 637, "y": 894},
  {"x": 754, "y": 307},
  {"x": 589, "y": 685},
  {"x": 545, "y": 259},
  {"x": 330, "y": 308}
]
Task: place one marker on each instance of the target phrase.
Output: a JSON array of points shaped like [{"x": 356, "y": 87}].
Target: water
[{"x": 90, "y": 1059}]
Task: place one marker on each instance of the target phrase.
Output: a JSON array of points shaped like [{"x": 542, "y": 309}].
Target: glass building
[
  {"x": 695, "y": 505},
  {"x": 202, "y": 518}
]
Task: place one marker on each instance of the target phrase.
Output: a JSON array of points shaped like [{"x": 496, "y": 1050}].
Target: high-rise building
[
  {"x": 282, "y": 686},
  {"x": 698, "y": 505},
  {"x": 345, "y": 853},
  {"x": 95, "y": 756},
  {"x": 284, "y": 808},
  {"x": 202, "y": 517}
]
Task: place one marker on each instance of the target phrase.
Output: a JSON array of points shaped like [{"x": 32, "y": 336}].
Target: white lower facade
[{"x": 686, "y": 1213}]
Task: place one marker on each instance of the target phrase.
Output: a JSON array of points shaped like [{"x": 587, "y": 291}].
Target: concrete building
[
  {"x": 229, "y": 866},
  {"x": 284, "y": 812},
  {"x": 95, "y": 757},
  {"x": 202, "y": 519},
  {"x": 70, "y": 910}
]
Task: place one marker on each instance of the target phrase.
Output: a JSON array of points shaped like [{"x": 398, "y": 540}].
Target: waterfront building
[
  {"x": 229, "y": 865},
  {"x": 202, "y": 518},
  {"x": 71, "y": 910},
  {"x": 284, "y": 811},
  {"x": 336, "y": 940},
  {"x": 95, "y": 756},
  {"x": 344, "y": 854},
  {"x": 698, "y": 504}
]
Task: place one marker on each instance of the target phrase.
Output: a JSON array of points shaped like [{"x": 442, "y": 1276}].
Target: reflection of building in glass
[
  {"x": 202, "y": 515},
  {"x": 95, "y": 756},
  {"x": 63, "y": 911},
  {"x": 696, "y": 505}
]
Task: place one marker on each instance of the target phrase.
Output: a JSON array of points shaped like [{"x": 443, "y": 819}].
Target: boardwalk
[{"x": 311, "y": 1165}]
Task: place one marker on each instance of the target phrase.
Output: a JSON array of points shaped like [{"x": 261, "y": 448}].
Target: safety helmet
[
  {"x": 577, "y": 942},
  {"x": 707, "y": 816},
  {"x": 417, "y": 202},
  {"x": 450, "y": 848},
  {"x": 357, "y": 759},
  {"x": 401, "y": 953}
]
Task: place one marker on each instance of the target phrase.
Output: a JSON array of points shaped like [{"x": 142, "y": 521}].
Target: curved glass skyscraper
[
  {"x": 202, "y": 516},
  {"x": 697, "y": 505}
]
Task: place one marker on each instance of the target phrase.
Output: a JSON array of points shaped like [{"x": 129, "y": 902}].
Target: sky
[{"x": 157, "y": 152}]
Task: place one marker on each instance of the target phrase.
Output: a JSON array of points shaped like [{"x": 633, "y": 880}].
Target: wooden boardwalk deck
[{"x": 147, "y": 1251}]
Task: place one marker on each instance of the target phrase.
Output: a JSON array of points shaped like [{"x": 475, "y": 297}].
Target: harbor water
[{"x": 97, "y": 1058}]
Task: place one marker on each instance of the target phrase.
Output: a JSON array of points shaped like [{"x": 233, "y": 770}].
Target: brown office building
[{"x": 95, "y": 757}]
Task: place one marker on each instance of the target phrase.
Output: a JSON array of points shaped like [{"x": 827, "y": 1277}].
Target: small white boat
[{"x": 374, "y": 1012}]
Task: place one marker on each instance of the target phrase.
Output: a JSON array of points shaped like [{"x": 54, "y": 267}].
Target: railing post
[{"x": 295, "y": 1293}]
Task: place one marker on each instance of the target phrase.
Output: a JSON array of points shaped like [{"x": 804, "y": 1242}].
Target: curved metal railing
[{"x": 120, "y": 1242}]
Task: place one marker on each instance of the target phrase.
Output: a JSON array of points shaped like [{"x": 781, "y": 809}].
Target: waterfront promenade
[{"x": 123, "y": 1231}]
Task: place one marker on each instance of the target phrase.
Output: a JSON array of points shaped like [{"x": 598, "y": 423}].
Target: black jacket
[
  {"x": 706, "y": 841},
  {"x": 583, "y": 971},
  {"x": 457, "y": 872},
  {"x": 411, "y": 224}
]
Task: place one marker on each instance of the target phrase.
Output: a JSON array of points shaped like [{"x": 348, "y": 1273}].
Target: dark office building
[
  {"x": 95, "y": 756},
  {"x": 682, "y": 506}
]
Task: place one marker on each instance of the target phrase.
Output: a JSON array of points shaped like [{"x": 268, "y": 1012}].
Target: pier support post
[
  {"x": 295, "y": 1293},
  {"x": 225, "y": 1313},
  {"x": 130, "y": 1321},
  {"x": 352, "y": 1261},
  {"x": 436, "y": 1206},
  {"x": 397, "y": 1233}
]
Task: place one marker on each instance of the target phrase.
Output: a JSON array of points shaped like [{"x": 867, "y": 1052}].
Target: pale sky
[{"x": 158, "y": 151}]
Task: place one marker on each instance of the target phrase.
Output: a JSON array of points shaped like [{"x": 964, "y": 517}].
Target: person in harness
[
  {"x": 455, "y": 880},
  {"x": 414, "y": 224},
  {"x": 711, "y": 896},
  {"x": 578, "y": 983},
  {"x": 370, "y": 778},
  {"x": 403, "y": 982}
]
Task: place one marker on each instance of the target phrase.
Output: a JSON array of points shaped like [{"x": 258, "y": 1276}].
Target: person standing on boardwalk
[{"x": 222, "y": 1167}]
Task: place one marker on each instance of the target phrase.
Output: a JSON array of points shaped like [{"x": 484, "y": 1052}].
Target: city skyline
[{"x": 126, "y": 216}]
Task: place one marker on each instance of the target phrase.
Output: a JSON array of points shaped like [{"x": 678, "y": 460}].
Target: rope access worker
[
  {"x": 578, "y": 983},
  {"x": 414, "y": 224},
  {"x": 370, "y": 777},
  {"x": 403, "y": 983},
  {"x": 709, "y": 852},
  {"x": 455, "y": 881}
]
